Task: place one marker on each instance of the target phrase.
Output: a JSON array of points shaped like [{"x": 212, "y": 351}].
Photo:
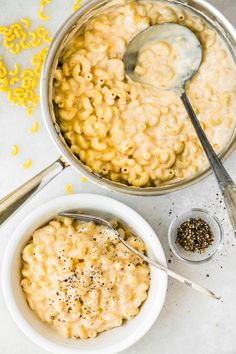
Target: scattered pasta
[
  {"x": 17, "y": 37},
  {"x": 15, "y": 150},
  {"x": 26, "y": 22},
  {"x": 83, "y": 179},
  {"x": 21, "y": 85},
  {"x": 34, "y": 128},
  {"x": 41, "y": 14},
  {"x": 76, "y": 5},
  {"x": 27, "y": 164},
  {"x": 16, "y": 70},
  {"x": 4, "y": 79},
  {"x": 69, "y": 189}
]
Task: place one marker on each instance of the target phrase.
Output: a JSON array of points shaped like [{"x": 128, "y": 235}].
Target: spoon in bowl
[
  {"x": 187, "y": 57},
  {"x": 100, "y": 221}
]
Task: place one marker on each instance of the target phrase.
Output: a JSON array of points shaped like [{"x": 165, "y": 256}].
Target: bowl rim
[{"x": 11, "y": 250}]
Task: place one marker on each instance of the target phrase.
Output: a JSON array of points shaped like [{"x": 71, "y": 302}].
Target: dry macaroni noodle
[
  {"x": 15, "y": 150},
  {"x": 41, "y": 14},
  {"x": 69, "y": 189},
  {"x": 76, "y": 5},
  {"x": 34, "y": 128},
  {"x": 27, "y": 164},
  {"x": 24, "y": 94}
]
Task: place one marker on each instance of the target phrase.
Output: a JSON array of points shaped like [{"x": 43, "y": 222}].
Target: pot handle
[{"x": 12, "y": 202}]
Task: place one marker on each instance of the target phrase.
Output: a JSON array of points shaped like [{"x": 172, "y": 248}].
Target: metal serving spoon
[
  {"x": 190, "y": 54},
  {"x": 101, "y": 221}
]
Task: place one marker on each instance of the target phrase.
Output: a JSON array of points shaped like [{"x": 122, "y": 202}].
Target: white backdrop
[{"x": 189, "y": 322}]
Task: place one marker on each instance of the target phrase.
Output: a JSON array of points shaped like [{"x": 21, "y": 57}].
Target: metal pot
[{"x": 13, "y": 201}]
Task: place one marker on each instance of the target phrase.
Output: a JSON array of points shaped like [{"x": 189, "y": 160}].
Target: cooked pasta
[
  {"x": 81, "y": 279},
  {"x": 129, "y": 133}
]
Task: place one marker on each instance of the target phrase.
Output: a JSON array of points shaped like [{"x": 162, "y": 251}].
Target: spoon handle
[
  {"x": 100, "y": 221},
  {"x": 226, "y": 183},
  {"x": 172, "y": 274}
]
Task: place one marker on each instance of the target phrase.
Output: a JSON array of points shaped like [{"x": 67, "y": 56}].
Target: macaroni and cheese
[
  {"x": 81, "y": 279},
  {"x": 157, "y": 63},
  {"x": 168, "y": 58},
  {"x": 130, "y": 133}
]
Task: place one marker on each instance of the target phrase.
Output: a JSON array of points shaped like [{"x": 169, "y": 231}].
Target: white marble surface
[{"x": 189, "y": 322}]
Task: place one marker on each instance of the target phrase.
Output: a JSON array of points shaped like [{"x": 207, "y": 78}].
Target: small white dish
[
  {"x": 196, "y": 257},
  {"x": 109, "y": 342}
]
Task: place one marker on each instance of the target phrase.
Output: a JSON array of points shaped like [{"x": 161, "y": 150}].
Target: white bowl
[{"x": 112, "y": 341}]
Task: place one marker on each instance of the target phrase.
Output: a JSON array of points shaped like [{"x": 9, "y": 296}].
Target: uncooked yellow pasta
[
  {"x": 41, "y": 14},
  {"x": 16, "y": 38},
  {"x": 14, "y": 80},
  {"x": 34, "y": 128},
  {"x": 69, "y": 188},
  {"x": 15, "y": 150},
  {"x": 76, "y": 5},
  {"x": 130, "y": 133},
  {"x": 80, "y": 279},
  {"x": 21, "y": 85},
  {"x": 27, "y": 164},
  {"x": 83, "y": 179},
  {"x": 26, "y": 22},
  {"x": 16, "y": 70}
]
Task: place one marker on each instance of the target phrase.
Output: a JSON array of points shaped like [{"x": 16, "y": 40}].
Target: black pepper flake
[{"x": 194, "y": 235}]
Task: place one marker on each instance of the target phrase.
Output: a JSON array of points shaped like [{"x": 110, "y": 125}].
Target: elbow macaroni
[
  {"x": 129, "y": 133},
  {"x": 81, "y": 279}
]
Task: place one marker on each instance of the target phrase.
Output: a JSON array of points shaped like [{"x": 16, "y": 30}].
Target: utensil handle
[
  {"x": 172, "y": 274},
  {"x": 221, "y": 174},
  {"x": 226, "y": 183},
  {"x": 230, "y": 202},
  {"x": 12, "y": 202},
  {"x": 191, "y": 284}
]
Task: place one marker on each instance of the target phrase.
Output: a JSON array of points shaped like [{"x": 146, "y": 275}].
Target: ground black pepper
[{"x": 194, "y": 235}]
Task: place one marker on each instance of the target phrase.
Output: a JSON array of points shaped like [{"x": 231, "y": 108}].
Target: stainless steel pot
[{"x": 12, "y": 202}]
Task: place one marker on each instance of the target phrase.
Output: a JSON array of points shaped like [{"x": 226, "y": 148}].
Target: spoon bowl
[{"x": 183, "y": 41}]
